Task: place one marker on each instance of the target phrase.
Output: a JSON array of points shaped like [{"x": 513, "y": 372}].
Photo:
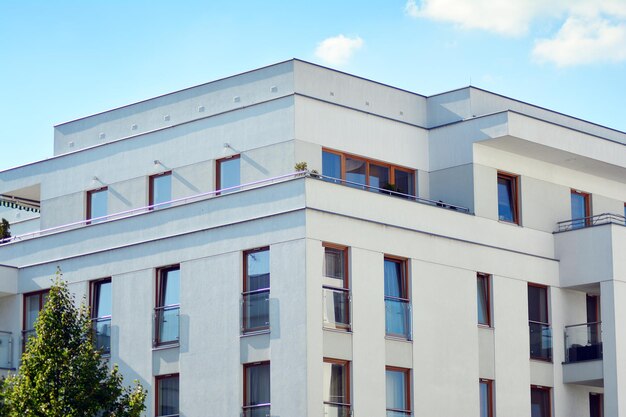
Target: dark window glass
[
  {"x": 168, "y": 396},
  {"x": 507, "y": 199},
  {"x": 580, "y": 209},
  {"x": 355, "y": 171},
  {"x": 97, "y": 204},
  {"x": 331, "y": 165},
  {"x": 256, "y": 396},
  {"x": 483, "y": 295},
  {"x": 486, "y": 401},
  {"x": 405, "y": 182},
  {"x": 596, "y": 405},
  {"x": 229, "y": 174},
  {"x": 160, "y": 189},
  {"x": 379, "y": 176},
  {"x": 539, "y": 323},
  {"x": 101, "y": 314},
  {"x": 540, "y": 402},
  {"x": 168, "y": 306},
  {"x": 397, "y": 382},
  {"x": 538, "y": 304}
]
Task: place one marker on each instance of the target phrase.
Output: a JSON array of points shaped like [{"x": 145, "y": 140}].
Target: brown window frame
[
  {"x": 245, "y": 329},
  {"x": 600, "y": 398},
  {"x": 407, "y": 389},
  {"x": 41, "y": 294},
  {"x": 549, "y": 391},
  {"x": 548, "y": 323},
  {"x": 405, "y": 293},
  {"x": 157, "y": 381},
  {"x": 93, "y": 308},
  {"x": 159, "y": 304},
  {"x": 514, "y": 181},
  {"x": 587, "y": 199},
  {"x": 346, "y": 283},
  {"x": 368, "y": 161},
  {"x": 348, "y": 367},
  {"x": 245, "y": 382},
  {"x": 489, "y": 383},
  {"x": 218, "y": 172},
  {"x": 151, "y": 179},
  {"x": 488, "y": 279},
  {"x": 90, "y": 193}
]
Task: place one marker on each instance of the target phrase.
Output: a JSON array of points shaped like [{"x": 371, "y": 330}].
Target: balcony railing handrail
[
  {"x": 259, "y": 291},
  {"x": 400, "y": 299},
  {"x": 101, "y": 319},
  {"x": 396, "y": 193},
  {"x": 6, "y": 332},
  {"x": 589, "y": 221},
  {"x": 583, "y": 324},
  {"x": 540, "y": 322},
  {"x": 331, "y": 288},
  {"x": 338, "y": 404},
  {"x": 247, "y": 407},
  {"x": 167, "y": 307}
]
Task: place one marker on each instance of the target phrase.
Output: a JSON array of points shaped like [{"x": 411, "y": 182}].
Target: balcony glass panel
[
  {"x": 167, "y": 324},
  {"x": 337, "y": 410},
  {"x": 6, "y": 350},
  {"x": 398, "y": 413},
  {"x": 540, "y": 341},
  {"x": 256, "y": 411},
  {"x": 356, "y": 172},
  {"x": 102, "y": 334},
  {"x": 398, "y": 317},
  {"x": 336, "y": 308},
  {"x": 255, "y": 311},
  {"x": 405, "y": 182},
  {"x": 583, "y": 342}
]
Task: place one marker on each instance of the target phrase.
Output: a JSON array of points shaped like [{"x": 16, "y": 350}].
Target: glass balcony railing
[
  {"x": 398, "y": 413},
  {"x": 166, "y": 325},
  {"x": 336, "y": 308},
  {"x": 102, "y": 334},
  {"x": 583, "y": 342},
  {"x": 6, "y": 350},
  {"x": 398, "y": 317},
  {"x": 255, "y": 311},
  {"x": 337, "y": 410},
  {"x": 261, "y": 410},
  {"x": 540, "y": 341}
]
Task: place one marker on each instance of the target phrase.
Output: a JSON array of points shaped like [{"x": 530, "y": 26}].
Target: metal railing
[
  {"x": 598, "y": 219},
  {"x": 540, "y": 340},
  {"x": 6, "y": 350},
  {"x": 398, "y": 317},
  {"x": 255, "y": 310},
  {"x": 337, "y": 410},
  {"x": 336, "y": 306},
  {"x": 101, "y": 328},
  {"x": 257, "y": 410},
  {"x": 166, "y": 325},
  {"x": 583, "y": 342}
]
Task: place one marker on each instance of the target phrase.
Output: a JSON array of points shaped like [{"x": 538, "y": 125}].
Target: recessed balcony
[{"x": 583, "y": 354}]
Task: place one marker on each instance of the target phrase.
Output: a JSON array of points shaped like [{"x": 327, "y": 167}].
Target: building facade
[{"x": 454, "y": 255}]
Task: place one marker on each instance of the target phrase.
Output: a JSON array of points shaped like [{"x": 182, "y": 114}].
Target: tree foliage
[
  {"x": 62, "y": 374},
  {"x": 5, "y": 229}
]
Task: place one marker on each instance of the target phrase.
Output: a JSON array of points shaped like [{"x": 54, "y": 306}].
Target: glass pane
[
  {"x": 538, "y": 304},
  {"x": 505, "y": 199},
  {"x": 97, "y": 204},
  {"x": 256, "y": 310},
  {"x": 579, "y": 210},
  {"x": 170, "y": 287},
  {"x": 331, "y": 165},
  {"x": 168, "y": 323},
  {"x": 103, "y": 299},
  {"x": 168, "y": 396},
  {"x": 484, "y": 400},
  {"x": 483, "y": 299},
  {"x": 258, "y": 272},
  {"x": 379, "y": 176},
  {"x": 334, "y": 264},
  {"x": 263, "y": 411},
  {"x": 229, "y": 174},
  {"x": 334, "y": 410},
  {"x": 539, "y": 402},
  {"x": 596, "y": 405},
  {"x": 394, "y": 287},
  {"x": 257, "y": 385},
  {"x": 397, "y": 318},
  {"x": 32, "y": 310},
  {"x": 161, "y": 189},
  {"x": 355, "y": 171},
  {"x": 396, "y": 390},
  {"x": 405, "y": 183},
  {"x": 335, "y": 383},
  {"x": 102, "y": 331},
  {"x": 336, "y": 308},
  {"x": 540, "y": 341}
]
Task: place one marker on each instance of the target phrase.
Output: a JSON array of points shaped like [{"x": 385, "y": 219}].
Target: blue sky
[{"x": 61, "y": 60}]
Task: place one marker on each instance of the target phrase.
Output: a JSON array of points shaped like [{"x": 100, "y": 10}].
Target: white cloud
[
  {"x": 338, "y": 50},
  {"x": 584, "y": 41}
]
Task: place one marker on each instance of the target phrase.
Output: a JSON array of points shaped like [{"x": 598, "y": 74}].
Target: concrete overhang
[
  {"x": 8, "y": 280},
  {"x": 584, "y": 373}
]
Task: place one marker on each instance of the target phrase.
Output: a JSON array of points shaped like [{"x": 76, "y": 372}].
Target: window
[
  {"x": 101, "y": 314},
  {"x": 540, "y": 405},
  {"x": 508, "y": 206},
  {"x": 256, "y": 389},
  {"x": 486, "y": 398},
  {"x": 336, "y": 388},
  {"x": 97, "y": 204},
  {"x": 364, "y": 173},
  {"x": 539, "y": 323},
  {"x": 33, "y": 303},
  {"x": 398, "y": 392},
  {"x": 160, "y": 190},
  {"x": 596, "y": 405},
  {"x": 256, "y": 291},
  {"x": 228, "y": 174},
  {"x": 336, "y": 288},
  {"x": 484, "y": 299},
  {"x": 581, "y": 209},
  {"x": 167, "y": 306},
  {"x": 397, "y": 304},
  {"x": 167, "y": 395}
]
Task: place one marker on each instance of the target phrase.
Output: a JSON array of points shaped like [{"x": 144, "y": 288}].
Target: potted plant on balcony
[
  {"x": 5, "y": 229},
  {"x": 391, "y": 189}
]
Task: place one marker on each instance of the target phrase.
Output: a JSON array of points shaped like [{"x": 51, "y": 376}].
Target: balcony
[
  {"x": 259, "y": 410},
  {"x": 398, "y": 318},
  {"x": 540, "y": 341},
  {"x": 583, "y": 354},
  {"x": 166, "y": 325},
  {"x": 6, "y": 350},
  {"x": 101, "y": 328},
  {"x": 336, "y": 306},
  {"x": 255, "y": 311}
]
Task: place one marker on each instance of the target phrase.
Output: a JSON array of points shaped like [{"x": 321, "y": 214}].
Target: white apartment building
[{"x": 458, "y": 255}]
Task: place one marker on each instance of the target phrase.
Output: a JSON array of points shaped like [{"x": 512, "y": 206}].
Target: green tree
[
  {"x": 5, "y": 229},
  {"x": 62, "y": 374}
]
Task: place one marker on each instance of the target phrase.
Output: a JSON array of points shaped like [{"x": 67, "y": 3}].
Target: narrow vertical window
[
  {"x": 508, "y": 208},
  {"x": 256, "y": 390},
  {"x": 539, "y": 323},
  {"x": 484, "y": 298},
  {"x": 540, "y": 405},
  {"x": 33, "y": 303},
  {"x": 331, "y": 166},
  {"x": 336, "y": 386},
  {"x": 256, "y": 291},
  {"x": 398, "y": 392},
  {"x": 97, "y": 204},
  {"x": 397, "y": 303},
  {"x": 581, "y": 209},
  {"x": 228, "y": 174},
  {"x": 160, "y": 190},
  {"x": 336, "y": 288},
  {"x": 596, "y": 405},
  {"x": 167, "y": 395},
  {"x": 167, "y": 309},
  {"x": 486, "y": 398},
  {"x": 101, "y": 314}
]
